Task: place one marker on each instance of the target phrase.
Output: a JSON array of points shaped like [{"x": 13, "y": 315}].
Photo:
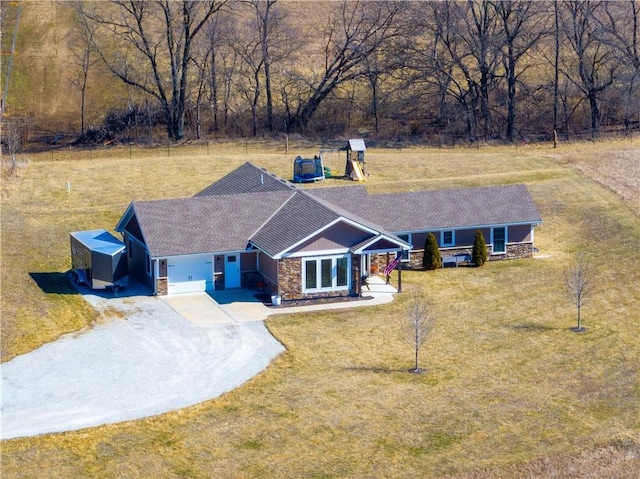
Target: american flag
[{"x": 391, "y": 266}]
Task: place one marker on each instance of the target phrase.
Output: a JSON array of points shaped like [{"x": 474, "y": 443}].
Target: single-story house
[{"x": 252, "y": 228}]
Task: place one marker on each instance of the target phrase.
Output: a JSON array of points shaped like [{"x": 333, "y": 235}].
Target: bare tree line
[{"x": 478, "y": 70}]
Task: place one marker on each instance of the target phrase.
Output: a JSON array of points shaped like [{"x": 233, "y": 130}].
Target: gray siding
[
  {"x": 268, "y": 267},
  {"x": 519, "y": 234},
  {"x": 248, "y": 262},
  {"x": 341, "y": 235},
  {"x": 137, "y": 262}
]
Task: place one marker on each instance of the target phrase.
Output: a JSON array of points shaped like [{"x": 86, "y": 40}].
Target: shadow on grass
[
  {"x": 533, "y": 327},
  {"x": 374, "y": 369},
  {"x": 54, "y": 282}
]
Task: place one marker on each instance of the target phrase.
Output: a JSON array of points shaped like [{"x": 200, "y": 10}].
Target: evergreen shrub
[
  {"x": 479, "y": 251},
  {"x": 431, "y": 258}
]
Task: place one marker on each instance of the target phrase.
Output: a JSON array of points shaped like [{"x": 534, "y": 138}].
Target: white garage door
[{"x": 190, "y": 274}]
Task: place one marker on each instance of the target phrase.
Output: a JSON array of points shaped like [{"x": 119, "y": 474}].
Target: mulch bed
[{"x": 266, "y": 299}]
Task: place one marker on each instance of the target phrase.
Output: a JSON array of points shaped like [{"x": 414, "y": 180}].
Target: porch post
[
  {"x": 388, "y": 265},
  {"x": 400, "y": 274}
]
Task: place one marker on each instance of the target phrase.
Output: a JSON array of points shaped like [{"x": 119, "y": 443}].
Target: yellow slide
[{"x": 356, "y": 171}]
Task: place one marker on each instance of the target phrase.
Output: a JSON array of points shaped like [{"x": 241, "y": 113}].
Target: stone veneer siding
[
  {"x": 289, "y": 278},
  {"x": 162, "y": 286},
  {"x": 514, "y": 251},
  {"x": 290, "y": 281}
]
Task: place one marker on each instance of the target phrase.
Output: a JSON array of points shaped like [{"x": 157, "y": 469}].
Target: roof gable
[
  {"x": 380, "y": 243},
  {"x": 247, "y": 178},
  {"x": 299, "y": 218},
  {"x": 340, "y": 235}
]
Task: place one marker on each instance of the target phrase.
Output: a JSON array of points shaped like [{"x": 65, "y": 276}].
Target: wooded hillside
[{"x": 442, "y": 71}]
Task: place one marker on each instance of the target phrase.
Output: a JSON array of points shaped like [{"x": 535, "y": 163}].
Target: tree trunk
[
  {"x": 578, "y": 318},
  {"x": 213, "y": 85},
  {"x": 267, "y": 85},
  {"x": 595, "y": 114},
  {"x": 556, "y": 68},
  {"x": 511, "y": 102}
]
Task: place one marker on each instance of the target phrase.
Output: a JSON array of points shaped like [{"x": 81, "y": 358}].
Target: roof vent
[{"x": 262, "y": 179}]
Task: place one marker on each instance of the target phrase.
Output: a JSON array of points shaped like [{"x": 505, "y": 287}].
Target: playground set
[{"x": 310, "y": 170}]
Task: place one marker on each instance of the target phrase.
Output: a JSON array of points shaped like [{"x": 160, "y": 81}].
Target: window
[
  {"x": 310, "y": 268},
  {"x": 447, "y": 238},
  {"x": 405, "y": 254},
  {"x": 148, "y": 261},
  {"x": 341, "y": 274},
  {"x": 499, "y": 240},
  {"x": 326, "y": 274}
]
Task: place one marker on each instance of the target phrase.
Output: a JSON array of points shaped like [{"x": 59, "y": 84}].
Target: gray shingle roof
[
  {"x": 250, "y": 204},
  {"x": 301, "y": 216},
  {"x": 205, "y": 224},
  {"x": 432, "y": 210},
  {"x": 247, "y": 178}
]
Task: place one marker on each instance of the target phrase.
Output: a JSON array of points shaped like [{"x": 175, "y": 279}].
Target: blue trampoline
[{"x": 307, "y": 170}]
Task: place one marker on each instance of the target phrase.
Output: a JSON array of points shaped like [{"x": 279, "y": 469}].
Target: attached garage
[{"x": 190, "y": 274}]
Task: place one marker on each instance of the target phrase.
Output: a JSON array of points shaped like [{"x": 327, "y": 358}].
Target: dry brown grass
[
  {"x": 510, "y": 391},
  {"x": 618, "y": 169}
]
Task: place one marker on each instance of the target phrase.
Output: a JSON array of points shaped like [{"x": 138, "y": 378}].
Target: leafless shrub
[
  {"x": 11, "y": 136},
  {"x": 417, "y": 325},
  {"x": 578, "y": 281}
]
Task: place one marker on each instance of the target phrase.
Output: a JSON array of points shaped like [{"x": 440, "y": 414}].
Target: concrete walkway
[{"x": 239, "y": 306}]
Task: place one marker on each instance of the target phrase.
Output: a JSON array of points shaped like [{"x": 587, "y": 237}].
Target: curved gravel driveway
[{"x": 147, "y": 363}]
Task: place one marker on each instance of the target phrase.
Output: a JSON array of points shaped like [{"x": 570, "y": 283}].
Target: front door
[{"x": 232, "y": 271}]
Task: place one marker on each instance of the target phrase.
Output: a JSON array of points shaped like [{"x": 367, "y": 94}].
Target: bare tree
[
  {"x": 9, "y": 64},
  {"x": 250, "y": 72},
  {"x": 624, "y": 36},
  {"x": 464, "y": 58},
  {"x": 148, "y": 45},
  {"x": 522, "y": 27},
  {"x": 595, "y": 61},
  {"x": 13, "y": 141},
  {"x": 221, "y": 62},
  {"x": 417, "y": 325},
  {"x": 82, "y": 49},
  {"x": 556, "y": 71},
  {"x": 578, "y": 281},
  {"x": 276, "y": 42},
  {"x": 360, "y": 29}
]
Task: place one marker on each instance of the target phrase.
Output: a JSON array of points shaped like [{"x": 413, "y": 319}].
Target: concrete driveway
[
  {"x": 146, "y": 356},
  {"x": 235, "y": 306},
  {"x": 141, "y": 359}
]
